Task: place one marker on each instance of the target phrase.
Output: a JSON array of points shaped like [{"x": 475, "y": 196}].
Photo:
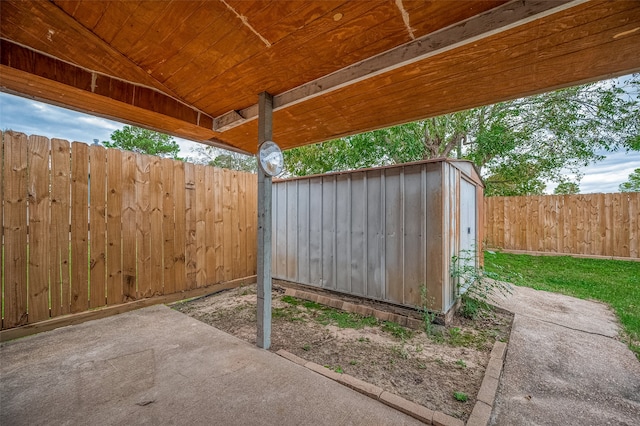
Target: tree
[
  {"x": 144, "y": 141},
  {"x": 632, "y": 184},
  {"x": 567, "y": 188},
  {"x": 218, "y": 157},
  {"x": 517, "y": 145}
]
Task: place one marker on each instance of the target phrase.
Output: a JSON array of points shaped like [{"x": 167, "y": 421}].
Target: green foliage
[
  {"x": 632, "y": 184},
  {"x": 396, "y": 330},
  {"x": 322, "y": 314},
  {"x": 475, "y": 285},
  {"x": 143, "y": 141},
  {"x": 566, "y": 188},
  {"x": 428, "y": 316},
  {"x": 461, "y": 396},
  {"x": 221, "y": 158},
  {"x": 611, "y": 281},
  {"x": 517, "y": 145},
  {"x": 461, "y": 363}
]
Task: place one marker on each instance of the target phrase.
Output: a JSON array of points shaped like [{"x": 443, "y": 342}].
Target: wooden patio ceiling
[{"x": 194, "y": 68}]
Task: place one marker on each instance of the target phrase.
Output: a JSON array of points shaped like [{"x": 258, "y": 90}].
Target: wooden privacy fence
[
  {"x": 87, "y": 227},
  {"x": 585, "y": 224}
]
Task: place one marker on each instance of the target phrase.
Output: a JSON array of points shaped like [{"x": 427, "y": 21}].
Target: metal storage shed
[{"x": 379, "y": 233}]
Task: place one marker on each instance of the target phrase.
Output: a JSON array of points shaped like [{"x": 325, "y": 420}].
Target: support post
[{"x": 265, "y": 132}]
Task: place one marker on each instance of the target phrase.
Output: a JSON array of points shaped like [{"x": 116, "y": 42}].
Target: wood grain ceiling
[{"x": 175, "y": 66}]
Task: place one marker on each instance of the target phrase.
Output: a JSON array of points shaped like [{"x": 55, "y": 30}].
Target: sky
[{"x": 36, "y": 118}]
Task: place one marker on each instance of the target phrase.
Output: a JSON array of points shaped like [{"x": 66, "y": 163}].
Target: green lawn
[{"x": 614, "y": 282}]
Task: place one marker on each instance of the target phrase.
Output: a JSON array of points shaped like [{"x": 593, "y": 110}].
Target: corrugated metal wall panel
[{"x": 380, "y": 233}]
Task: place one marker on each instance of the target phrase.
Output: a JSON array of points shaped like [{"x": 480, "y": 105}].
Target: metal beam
[
  {"x": 265, "y": 132},
  {"x": 489, "y": 23}
]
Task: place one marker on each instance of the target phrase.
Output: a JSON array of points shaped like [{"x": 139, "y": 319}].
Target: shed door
[{"x": 468, "y": 234}]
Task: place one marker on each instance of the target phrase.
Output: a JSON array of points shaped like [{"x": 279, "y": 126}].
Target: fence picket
[
  {"x": 114, "y": 228},
  {"x": 86, "y": 227},
  {"x": 210, "y": 254},
  {"x": 201, "y": 226},
  {"x": 97, "y": 225},
  {"x": 156, "y": 227},
  {"x": 79, "y": 227},
  {"x": 181, "y": 226},
  {"x": 143, "y": 227},
  {"x": 583, "y": 224},
  {"x": 15, "y": 229},
  {"x": 38, "y": 199},
  {"x": 168, "y": 226},
  {"x": 59, "y": 262},
  {"x": 129, "y": 288}
]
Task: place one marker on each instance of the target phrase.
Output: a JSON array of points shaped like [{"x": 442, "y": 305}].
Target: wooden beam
[{"x": 494, "y": 21}]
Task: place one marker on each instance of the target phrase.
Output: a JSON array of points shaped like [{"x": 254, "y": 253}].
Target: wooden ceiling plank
[
  {"x": 114, "y": 19},
  {"x": 137, "y": 25},
  {"x": 416, "y": 100},
  {"x": 285, "y": 48},
  {"x": 194, "y": 22},
  {"x": 151, "y": 43},
  {"x": 505, "y": 53},
  {"x": 88, "y": 13},
  {"x": 300, "y": 68},
  {"x": 261, "y": 18},
  {"x": 234, "y": 47},
  {"x": 523, "y": 82},
  {"x": 46, "y": 28},
  {"x": 309, "y": 12},
  {"x": 491, "y": 22},
  {"x": 198, "y": 47},
  {"x": 426, "y": 18},
  {"x": 69, "y": 6},
  {"x": 381, "y": 37}
]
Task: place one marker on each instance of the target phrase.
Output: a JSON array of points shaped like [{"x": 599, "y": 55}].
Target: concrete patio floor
[
  {"x": 158, "y": 366},
  {"x": 564, "y": 365}
]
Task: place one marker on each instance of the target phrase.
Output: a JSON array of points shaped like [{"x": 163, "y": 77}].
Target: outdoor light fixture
[{"x": 270, "y": 158}]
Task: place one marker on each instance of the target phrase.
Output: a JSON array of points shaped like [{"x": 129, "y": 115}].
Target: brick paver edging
[
  {"x": 364, "y": 310},
  {"x": 412, "y": 409},
  {"x": 484, "y": 401}
]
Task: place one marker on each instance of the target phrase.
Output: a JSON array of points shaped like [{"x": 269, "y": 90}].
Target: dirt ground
[{"x": 430, "y": 369}]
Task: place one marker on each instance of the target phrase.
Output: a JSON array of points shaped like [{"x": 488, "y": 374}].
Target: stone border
[
  {"x": 364, "y": 310},
  {"x": 481, "y": 413},
  {"x": 410, "y": 408}
]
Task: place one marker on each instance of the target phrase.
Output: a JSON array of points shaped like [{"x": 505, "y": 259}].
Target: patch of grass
[
  {"x": 396, "y": 330},
  {"x": 306, "y": 347},
  {"x": 614, "y": 282},
  {"x": 364, "y": 340},
  {"x": 345, "y": 319},
  {"x": 461, "y": 396},
  {"x": 291, "y": 300},
  {"x": 337, "y": 369},
  {"x": 353, "y": 362},
  {"x": 461, "y": 363},
  {"x": 324, "y": 314},
  {"x": 288, "y": 313}
]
